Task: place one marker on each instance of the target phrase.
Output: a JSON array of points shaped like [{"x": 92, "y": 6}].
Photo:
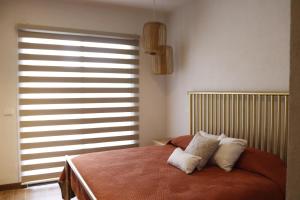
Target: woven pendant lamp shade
[
  {"x": 154, "y": 36},
  {"x": 163, "y": 62}
]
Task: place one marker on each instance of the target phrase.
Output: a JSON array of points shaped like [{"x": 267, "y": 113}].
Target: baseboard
[{"x": 12, "y": 186}]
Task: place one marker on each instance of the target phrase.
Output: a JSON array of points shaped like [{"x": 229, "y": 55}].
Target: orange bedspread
[{"x": 143, "y": 174}]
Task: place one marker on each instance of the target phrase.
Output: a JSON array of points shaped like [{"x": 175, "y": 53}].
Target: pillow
[
  {"x": 265, "y": 164},
  {"x": 184, "y": 161},
  {"x": 203, "y": 147},
  {"x": 208, "y": 135},
  {"x": 228, "y": 153},
  {"x": 181, "y": 141}
]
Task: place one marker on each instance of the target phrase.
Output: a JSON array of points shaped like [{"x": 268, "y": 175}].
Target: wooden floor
[{"x": 43, "y": 192}]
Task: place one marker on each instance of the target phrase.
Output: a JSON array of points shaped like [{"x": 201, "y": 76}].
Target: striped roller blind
[{"x": 78, "y": 93}]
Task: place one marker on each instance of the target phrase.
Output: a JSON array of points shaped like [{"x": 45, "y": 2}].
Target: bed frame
[
  {"x": 70, "y": 168},
  {"x": 259, "y": 117}
]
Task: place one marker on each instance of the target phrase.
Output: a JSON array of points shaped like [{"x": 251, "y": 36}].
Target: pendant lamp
[
  {"x": 154, "y": 34},
  {"x": 163, "y": 61}
]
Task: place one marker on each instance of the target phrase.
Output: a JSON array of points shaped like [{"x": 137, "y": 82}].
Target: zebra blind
[{"x": 78, "y": 93}]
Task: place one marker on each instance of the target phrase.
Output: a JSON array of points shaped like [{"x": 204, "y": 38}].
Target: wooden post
[{"x": 67, "y": 181}]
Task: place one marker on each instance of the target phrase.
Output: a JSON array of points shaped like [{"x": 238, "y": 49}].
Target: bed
[{"x": 143, "y": 173}]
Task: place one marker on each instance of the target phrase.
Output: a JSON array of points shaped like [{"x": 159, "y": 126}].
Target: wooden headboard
[{"x": 259, "y": 117}]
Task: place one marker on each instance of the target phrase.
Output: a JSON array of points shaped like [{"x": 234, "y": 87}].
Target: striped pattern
[
  {"x": 78, "y": 93},
  {"x": 260, "y": 118}
]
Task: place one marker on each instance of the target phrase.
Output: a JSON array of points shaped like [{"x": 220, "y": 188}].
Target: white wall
[
  {"x": 62, "y": 13},
  {"x": 230, "y": 45}
]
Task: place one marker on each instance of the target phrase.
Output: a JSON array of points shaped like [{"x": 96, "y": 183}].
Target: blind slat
[
  {"x": 81, "y": 141},
  {"x": 78, "y": 131},
  {"x": 42, "y": 166},
  {"x": 72, "y": 152},
  {"x": 40, "y": 177},
  {"x": 78, "y": 80},
  {"x": 77, "y": 111},
  {"x": 78, "y": 90},
  {"x": 77, "y": 69},
  {"x": 23, "y": 45},
  {"x": 70, "y": 101},
  {"x": 77, "y": 59},
  {"x": 77, "y": 121},
  {"x": 132, "y": 42},
  {"x": 72, "y": 31}
]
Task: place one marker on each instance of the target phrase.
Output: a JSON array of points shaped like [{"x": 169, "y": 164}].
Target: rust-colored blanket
[{"x": 143, "y": 174}]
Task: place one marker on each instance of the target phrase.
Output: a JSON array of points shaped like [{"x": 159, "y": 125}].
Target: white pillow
[
  {"x": 228, "y": 153},
  {"x": 184, "y": 161},
  {"x": 203, "y": 147},
  {"x": 208, "y": 135}
]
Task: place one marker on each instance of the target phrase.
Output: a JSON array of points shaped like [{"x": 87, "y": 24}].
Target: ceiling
[{"x": 162, "y": 5}]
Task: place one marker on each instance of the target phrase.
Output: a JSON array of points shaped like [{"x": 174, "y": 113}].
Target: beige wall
[
  {"x": 226, "y": 45},
  {"x": 64, "y": 13},
  {"x": 293, "y": 192}
]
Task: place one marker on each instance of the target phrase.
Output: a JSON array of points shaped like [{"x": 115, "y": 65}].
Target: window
[{"x": 78, "y": 93}]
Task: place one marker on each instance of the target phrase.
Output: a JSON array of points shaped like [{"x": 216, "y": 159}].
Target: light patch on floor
[{"x": 42, "y": 192}]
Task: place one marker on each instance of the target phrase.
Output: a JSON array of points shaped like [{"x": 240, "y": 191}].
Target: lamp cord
[{"x": 154, "y": 10}]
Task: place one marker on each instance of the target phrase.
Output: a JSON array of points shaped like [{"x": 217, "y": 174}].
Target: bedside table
[{"x": 161, "y": 141}]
